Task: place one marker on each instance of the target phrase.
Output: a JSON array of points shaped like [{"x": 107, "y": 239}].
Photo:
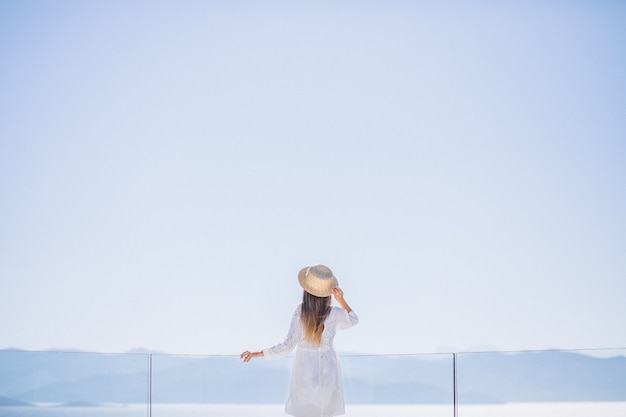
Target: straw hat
[{"x": 317, "y": 280}]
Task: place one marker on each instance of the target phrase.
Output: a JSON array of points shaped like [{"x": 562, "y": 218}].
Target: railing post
[
  {"x": 150, "y": 385},
  {"x": 454, "y": 385}
]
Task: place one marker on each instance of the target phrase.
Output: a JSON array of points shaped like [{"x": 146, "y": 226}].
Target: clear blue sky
[{"x": 166, "y": 168}]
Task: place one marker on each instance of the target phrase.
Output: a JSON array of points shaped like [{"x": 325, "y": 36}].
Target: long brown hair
[{"x": 314, "y": 312}]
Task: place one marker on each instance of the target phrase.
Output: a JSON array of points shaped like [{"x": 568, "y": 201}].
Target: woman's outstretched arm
[{"x": 281, "y": 349}]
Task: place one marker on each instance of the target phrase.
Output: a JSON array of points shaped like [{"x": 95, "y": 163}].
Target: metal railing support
[
  {"x": 454, "y": 385},
  {"x": 150, "y": 385}
]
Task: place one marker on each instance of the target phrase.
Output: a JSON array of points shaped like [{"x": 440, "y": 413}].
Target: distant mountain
[
  {"x": 32, "y": 377},
  {"x": 10, "y": 402},
  {"x": 541, "y": 376}
]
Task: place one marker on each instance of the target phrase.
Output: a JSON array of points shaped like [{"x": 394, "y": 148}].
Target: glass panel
[
  {"x": 73, "y": 384},
  {"x": 218, "y": 386},
  {"x": 549, "y": 383},
  {"x": 374, "y": 385},
  {"x": 398, "y": 385}
]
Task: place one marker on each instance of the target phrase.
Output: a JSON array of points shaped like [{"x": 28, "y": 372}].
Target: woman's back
[{"x": 338, "y": 319}]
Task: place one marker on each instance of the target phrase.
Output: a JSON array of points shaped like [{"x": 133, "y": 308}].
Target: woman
[{"x": 316, "y": 389}]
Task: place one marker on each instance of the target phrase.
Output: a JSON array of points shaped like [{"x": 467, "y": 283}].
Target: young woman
[{"x": 316, "y": 388}]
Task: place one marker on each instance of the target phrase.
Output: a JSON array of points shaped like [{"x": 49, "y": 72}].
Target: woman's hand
[
  {"x": 247, "y": 355},
  {"x": 338, "y": 293}
]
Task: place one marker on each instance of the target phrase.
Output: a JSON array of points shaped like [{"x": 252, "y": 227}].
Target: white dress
[{"x": 316, "y": 387}]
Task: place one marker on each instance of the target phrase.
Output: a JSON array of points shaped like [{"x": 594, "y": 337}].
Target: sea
[{"x": 568, "y": 409}]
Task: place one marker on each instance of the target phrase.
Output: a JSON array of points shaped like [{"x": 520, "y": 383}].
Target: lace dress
[{"x": 316, "y": 388}]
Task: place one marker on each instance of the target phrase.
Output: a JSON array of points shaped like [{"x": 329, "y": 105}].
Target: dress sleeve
[
  {"x": 346, "y": 320},
  {"x": 290, "y": 342}
]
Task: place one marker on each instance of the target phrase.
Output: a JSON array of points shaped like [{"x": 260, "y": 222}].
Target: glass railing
[
  {"x": 399, "y": 385},
  {"x": 539, "y": 383},
  {"x": 218, "y": 386},
  {"x": 373, "y": 384},
  {"x": 583, "y": 383},
  {"x": 73, "y": 384}
]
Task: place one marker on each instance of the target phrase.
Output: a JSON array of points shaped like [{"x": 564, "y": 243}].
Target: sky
[{"x": 167, "y": 168}]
